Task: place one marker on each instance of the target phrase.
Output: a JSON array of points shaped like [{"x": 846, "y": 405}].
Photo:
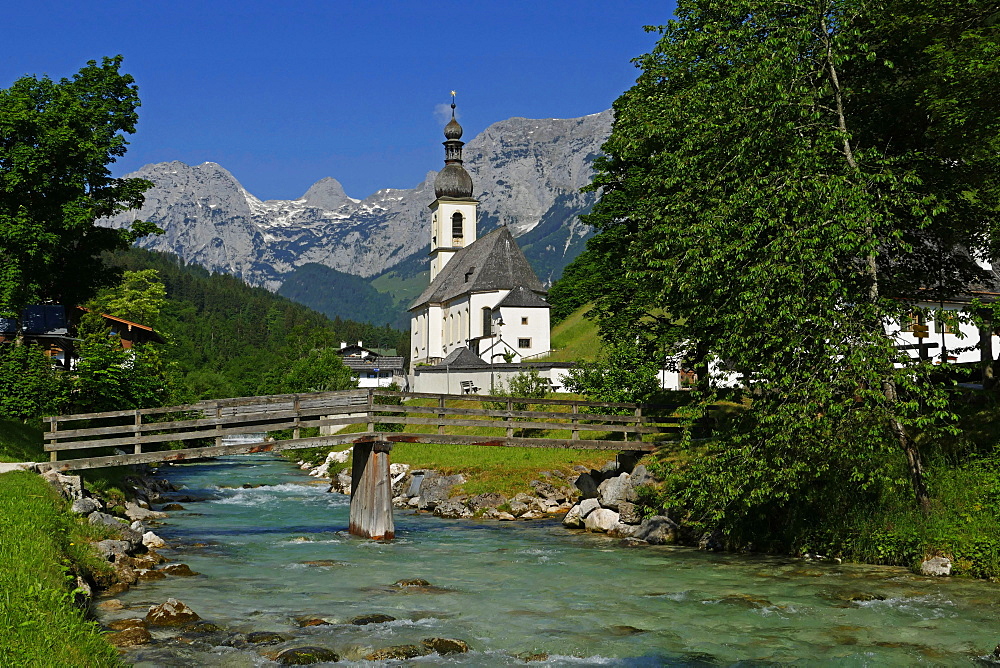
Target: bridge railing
[{"x": 198, "y": 429}]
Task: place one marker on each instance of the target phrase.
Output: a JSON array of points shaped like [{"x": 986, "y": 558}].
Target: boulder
[
  {"x": 85, "y": 506},
  {"x": 436, "y": 489},
  {"x": 629, "y": 513},
  {"x": 546, "y": 490},
  {"x": 122, "y": 624},
  {"x": 505, "y": 517},
  {"x": 111, "y": 550},
  {"x": 640, "y": 476},
  {"x": 150, "y": 574},
  {"x": 111, "y": 604},
  {"x": 518, "y": 508},
  {"x": 130, "y": 637},
  {"x": 171, "y": 613},
  {"x": 363, "y": 620},
  {"x": 303, "y": 656},
  {"x": 601, "y": 520},
  {"x": 936, "y": 566},
  {"x": 588, "y": 506},
  {"x": 452, "y": 509},
  {"x": 622, "y": 530},
  {"x": 135, "y": 512},
  {"x": 97, "y": 517},
  {"x": 573, "y": 519},
  {"x": 411, "y": 582},
  {"x": 151, "y": 540},
  {"x": 445, "y": 645},
  {"x": 181, "y": 570},
  {"x": 532, "y": 514},
  {"x": 172, "y": 507},
  {"x": 487, "y": 500},
  {"x": 658, "y": 530},
  {"x": 398, "y": 652},
  {"x": 587, "y": 486},
  {"x": 70, "y": 486},
  {"x": 266, "y": 638},
  {"x": 131, "y": 536},
  {"x": 612, "y": 491}
]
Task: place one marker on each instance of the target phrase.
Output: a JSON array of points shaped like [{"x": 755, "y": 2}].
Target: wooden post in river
[{"x": 371, "y": 491}]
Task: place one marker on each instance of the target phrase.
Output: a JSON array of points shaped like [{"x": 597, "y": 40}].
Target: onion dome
[
  {"x": 453, "y": 181},
  {"x": 453, "y": 130}
]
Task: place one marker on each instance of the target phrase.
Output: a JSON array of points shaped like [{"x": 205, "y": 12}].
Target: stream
[{"x": 522, "y": 588}]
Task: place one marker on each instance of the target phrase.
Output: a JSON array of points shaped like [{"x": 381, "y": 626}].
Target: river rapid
[{"x": 520, "y": 588}]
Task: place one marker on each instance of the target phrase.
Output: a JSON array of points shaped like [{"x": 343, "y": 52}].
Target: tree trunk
[{"x": 870, "y": 269}]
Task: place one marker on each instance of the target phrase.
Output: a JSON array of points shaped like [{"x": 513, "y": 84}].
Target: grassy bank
[
  {"x": 507, "y": 470},
  {"x": 41, "y": 547}
]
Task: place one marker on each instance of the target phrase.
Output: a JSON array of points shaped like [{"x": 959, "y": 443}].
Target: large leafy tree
[
  {"x": 781, "y": 183},
  {"x": 57, "y": 139}
]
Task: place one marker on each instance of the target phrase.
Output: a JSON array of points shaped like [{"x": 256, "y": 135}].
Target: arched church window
[
  {"x": 487, "y": 321},
  {"x": 456, "y": 225}
]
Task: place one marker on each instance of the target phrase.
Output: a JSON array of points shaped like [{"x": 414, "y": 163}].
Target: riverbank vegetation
[
  {"x": 783, "y": 187},
  {"x": 42, "y": 550}
]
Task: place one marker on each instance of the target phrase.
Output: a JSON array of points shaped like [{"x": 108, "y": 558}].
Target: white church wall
[{"x": 529, "y": 326}]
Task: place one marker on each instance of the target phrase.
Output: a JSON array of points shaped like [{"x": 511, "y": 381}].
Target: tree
[
  {"x": 56, "y": 142},
  {"x": 780, "y": 184},
  {"x": 321, "y": 370}
]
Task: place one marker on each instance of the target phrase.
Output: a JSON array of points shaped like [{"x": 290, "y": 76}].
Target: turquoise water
[{"x": 529, "y": 587}]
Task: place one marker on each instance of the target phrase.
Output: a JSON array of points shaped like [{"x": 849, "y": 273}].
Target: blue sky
[{"x": 284, "y": 94}]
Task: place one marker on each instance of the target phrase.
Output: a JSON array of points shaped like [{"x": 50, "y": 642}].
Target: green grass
[
  {"x": 20, "y": 442},
  {"x": 575, "y": 338},
  {"x": 40, "y": 546},
  {"x": 495, "y": 469}
]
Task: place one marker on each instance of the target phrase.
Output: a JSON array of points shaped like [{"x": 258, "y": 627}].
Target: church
[{"x": 484, "y": 305}]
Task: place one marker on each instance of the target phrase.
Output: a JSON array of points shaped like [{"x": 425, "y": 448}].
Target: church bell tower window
[{"x": 456, "y": 225}]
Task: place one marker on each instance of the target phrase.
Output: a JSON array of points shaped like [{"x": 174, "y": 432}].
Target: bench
[{"x": 468, "y": 387}]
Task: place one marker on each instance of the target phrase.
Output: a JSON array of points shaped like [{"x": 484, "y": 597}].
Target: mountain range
[{"x": 364, "y": 259}]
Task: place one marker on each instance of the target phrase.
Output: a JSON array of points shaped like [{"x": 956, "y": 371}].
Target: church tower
[{"x": 453, "y": 213}]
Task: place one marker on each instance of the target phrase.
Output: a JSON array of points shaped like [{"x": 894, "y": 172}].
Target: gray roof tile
[{"x": 492, "y": 262}]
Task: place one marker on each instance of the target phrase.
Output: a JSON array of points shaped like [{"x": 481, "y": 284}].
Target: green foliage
[
  {"x": 56, "y": 142},
  {"x": 320, "y": 370},
  {"x": 228, "y": 339},
  {"x": 111, "y": 378},
  {"x": 622, "y": 373},
  {"x": 42, "y": 549},
  {"x": 783, "y": 181},
  {"x": 20, "y": 442},
  {"x": 30, "y": 386},
  {"x": 388, "y": 400},
  {"x": 339, "y": 295}
]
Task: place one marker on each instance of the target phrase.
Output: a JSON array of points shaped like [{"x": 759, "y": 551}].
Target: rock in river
[
  {"x": 171, "y": 613},
  {"x": 398, "y": 652},
  {"x": 445, "y": 645},
  {"x": 130, "y": 637},
  {"x": 303, "y": 656},
  {"x": 362, "y": 620}
]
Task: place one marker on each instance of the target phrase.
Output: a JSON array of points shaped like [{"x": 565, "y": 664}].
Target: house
[
  {"x": 483, "y": 297},
  {"x": 373, "y": 367},
  {"x": 48, "y": 326},
  {"x": 927, "y": 335}
]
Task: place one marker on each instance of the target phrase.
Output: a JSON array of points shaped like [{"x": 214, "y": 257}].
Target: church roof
[
  {"x": 492, "y": 262},
  {"x": 462, "y": 357},
  {"x": 524, "y": 298}
]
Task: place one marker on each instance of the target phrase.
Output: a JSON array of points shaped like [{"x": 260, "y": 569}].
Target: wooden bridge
[{"x": 371, "y": 420}]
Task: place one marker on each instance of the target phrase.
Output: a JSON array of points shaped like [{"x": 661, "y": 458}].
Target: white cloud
[{"x": 442, "y": 113}]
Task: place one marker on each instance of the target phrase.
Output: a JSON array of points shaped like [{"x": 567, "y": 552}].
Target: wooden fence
[{"x": 197, "y": 430}]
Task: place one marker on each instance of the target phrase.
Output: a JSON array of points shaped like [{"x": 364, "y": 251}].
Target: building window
[
  {"x": 487, "y": 321},
  {"x": 456, "y": 225},
  {"x": 942, "y": 327},
  {"x": 524, "y": 321},
  {"x": 913, "y": 319},
  {"x": 524, "y": 343}
]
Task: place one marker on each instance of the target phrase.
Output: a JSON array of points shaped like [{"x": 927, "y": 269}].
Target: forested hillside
[{"x": 229, "y": 339}]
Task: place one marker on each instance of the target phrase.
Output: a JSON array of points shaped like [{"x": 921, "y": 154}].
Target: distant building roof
[
  {"x": 492, "y": 262},
  {"x": 462, "y": 357},
  {"x": 522, "y": 297}
]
